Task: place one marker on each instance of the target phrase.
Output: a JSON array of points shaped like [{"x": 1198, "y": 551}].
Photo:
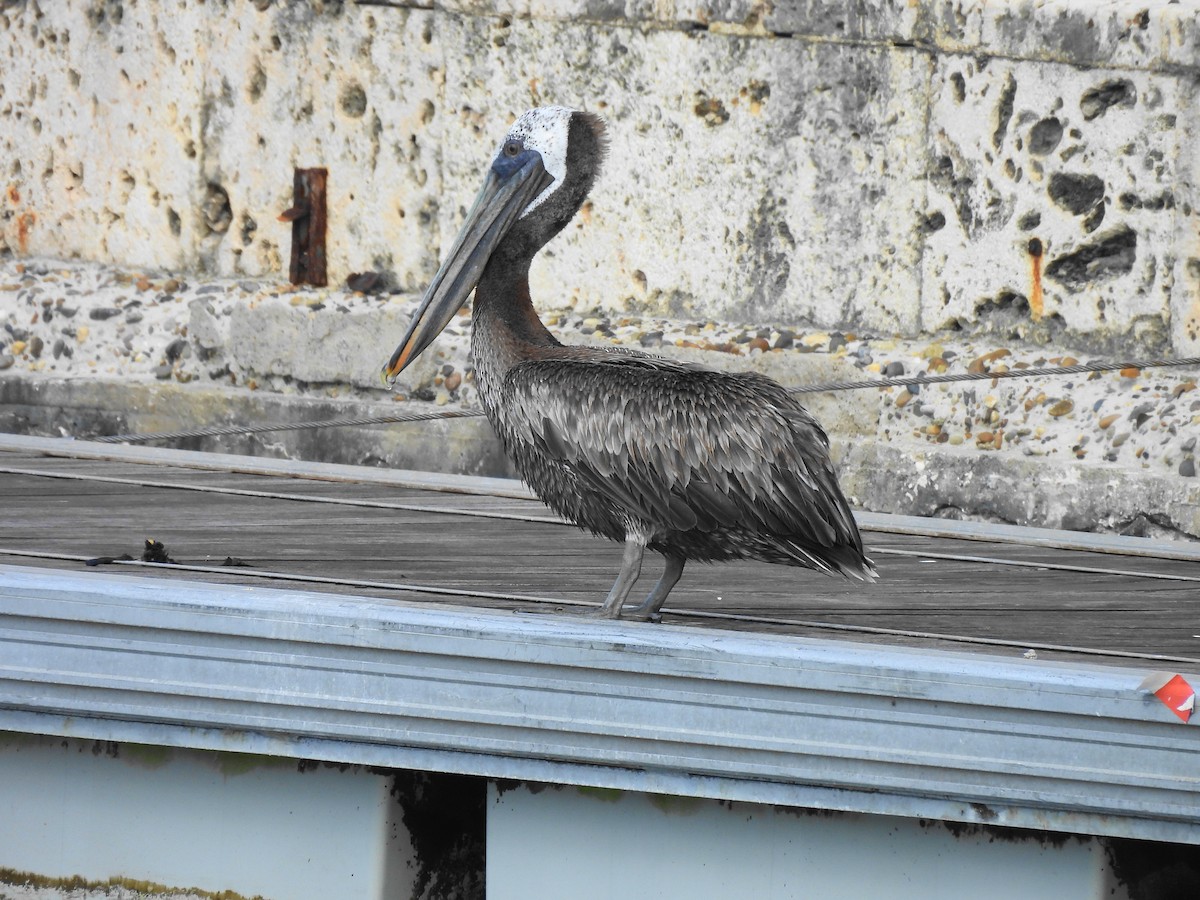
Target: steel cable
[{"x": 822, "y": 387}]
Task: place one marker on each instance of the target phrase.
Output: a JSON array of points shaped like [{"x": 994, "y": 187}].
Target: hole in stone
[
  {"x": 1076, "y": 193},
  {"x": 1045, "y": 136},
  {"x": 217, "y": 212},
  {"x": 1100, "y": 99},
  {"x": 353, "y": 100}
]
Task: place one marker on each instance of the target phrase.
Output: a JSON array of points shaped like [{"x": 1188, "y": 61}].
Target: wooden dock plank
[
  {"x": 945, "y": 596},
  {"x": 344, "y": 492}
]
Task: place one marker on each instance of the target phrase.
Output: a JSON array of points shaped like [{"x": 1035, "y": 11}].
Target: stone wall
[
  {"x": 1020, "y": 169},
  {"x": 816, "y": 190}
]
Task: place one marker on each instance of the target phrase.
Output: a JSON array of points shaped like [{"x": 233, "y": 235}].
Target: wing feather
[{"x": 683, "y": 447}]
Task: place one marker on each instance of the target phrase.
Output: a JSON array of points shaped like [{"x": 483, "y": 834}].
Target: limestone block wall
[{"x": 1028, "y": 169}]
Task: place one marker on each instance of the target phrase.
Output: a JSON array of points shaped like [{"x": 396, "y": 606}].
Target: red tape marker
[{"x": 1179, "y": 696}]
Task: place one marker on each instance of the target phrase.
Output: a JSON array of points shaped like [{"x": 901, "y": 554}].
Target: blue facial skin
[{"x": 508, "y": 166}]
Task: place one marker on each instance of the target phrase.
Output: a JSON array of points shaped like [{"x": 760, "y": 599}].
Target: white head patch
[{"x": 545, "y": 130}]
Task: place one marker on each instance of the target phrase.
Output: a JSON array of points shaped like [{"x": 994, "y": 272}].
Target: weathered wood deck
[{"x": 471, "y": 548}]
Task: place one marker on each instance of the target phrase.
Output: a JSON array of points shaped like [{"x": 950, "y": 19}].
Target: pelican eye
[{"x": 512, "y": 148}]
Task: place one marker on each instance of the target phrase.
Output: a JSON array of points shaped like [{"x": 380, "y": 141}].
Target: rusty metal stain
[
  {"x": 308, "y": 218},
  {"x": 25, "y": 221},
  {"x": 1035, "y": 291},
  {"x": 292, "y": 213}
]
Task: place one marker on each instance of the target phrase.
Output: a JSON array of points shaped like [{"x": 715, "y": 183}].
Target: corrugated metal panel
[{"x": 569, "y": 700}]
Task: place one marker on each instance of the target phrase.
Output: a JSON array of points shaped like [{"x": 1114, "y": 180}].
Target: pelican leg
[
  {"x": 631, "y": 568},
  {"x": 648, "y": 610}
]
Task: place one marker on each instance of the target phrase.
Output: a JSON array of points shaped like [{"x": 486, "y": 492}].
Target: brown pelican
[{"x": 686, "y": 461}]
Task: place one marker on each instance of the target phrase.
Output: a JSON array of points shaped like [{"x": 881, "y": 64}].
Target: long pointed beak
[{"x": 499, "y": 204}]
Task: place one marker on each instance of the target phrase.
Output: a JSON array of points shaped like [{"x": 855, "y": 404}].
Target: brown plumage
[{"x": 692, "y": 463}]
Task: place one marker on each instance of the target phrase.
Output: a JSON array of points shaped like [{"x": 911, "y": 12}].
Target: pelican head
[{"x": 539, "y": 176}]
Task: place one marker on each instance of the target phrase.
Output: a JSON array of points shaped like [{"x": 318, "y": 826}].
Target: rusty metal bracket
[{"x": 308, "y": 217}]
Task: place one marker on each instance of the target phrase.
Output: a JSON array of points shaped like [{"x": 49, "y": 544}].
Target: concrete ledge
[
  {"x": 906, "y": 477},
  {"x": 959, "y": 482},
  {"x": 106, "y": 407},
  {"x": 89, "y": 350}
]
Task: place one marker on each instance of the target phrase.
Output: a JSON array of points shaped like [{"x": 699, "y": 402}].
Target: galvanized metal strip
[
  {"x": 1032, "y": 564},
  {"x": 711, "y": 615},
  {"x": 760, "y": 715},
  {"x": 276, "y": 495},
  {"x": 254, "y": 465},
  {"x": 1090, "y": 542}
]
